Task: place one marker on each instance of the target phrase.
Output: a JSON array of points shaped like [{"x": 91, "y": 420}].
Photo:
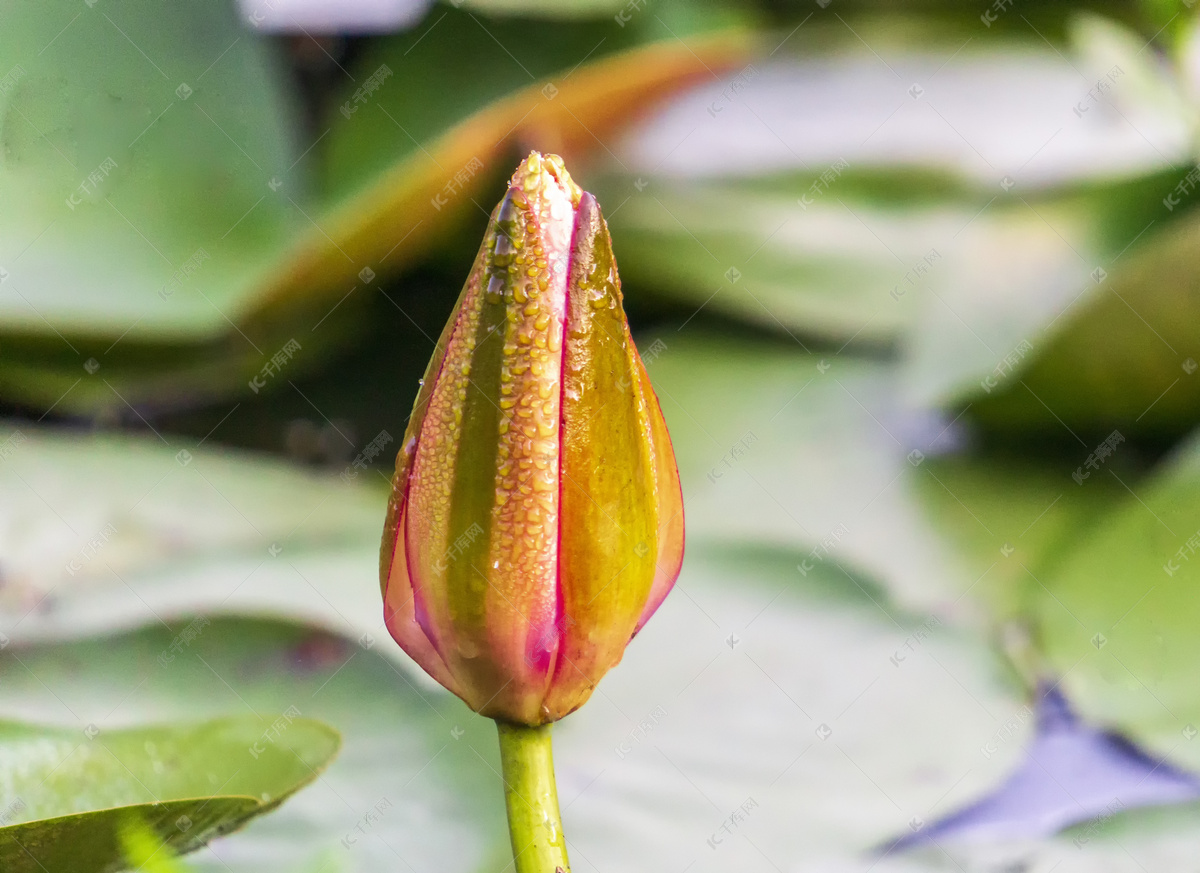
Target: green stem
[{"x": 532, "y": 799}]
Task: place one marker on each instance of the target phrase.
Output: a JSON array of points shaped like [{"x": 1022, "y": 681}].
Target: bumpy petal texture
[{"x": 536, "y": 518}]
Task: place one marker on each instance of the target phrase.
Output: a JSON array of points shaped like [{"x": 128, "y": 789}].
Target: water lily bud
[{"x": 536, "y": 520}]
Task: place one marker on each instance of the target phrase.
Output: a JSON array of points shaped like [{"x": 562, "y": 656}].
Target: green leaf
[
  {"x": 824, "y": 454},
  {"x": 1124, "y": 357},
  {"x": 407, "y": 781},
  {"x": 179, "y": 114},
  {"x": 736, "y": 250},
  {"x": 600, "y": 73},
  {"x": 418, "y": 775},
  {"x": 145, "y": 851},
  {"x": 1011, "y": 520},
  {"x": 404, "y": 165},
  {"x": 112, "y": 531},
  {"x": 1109, "y": 342},
  {"x": 1119, "y": 620},
  {"x": 74, "y": 792},
  {"x": 808, "y": 448},
  {"x": 209, "y": 289}
]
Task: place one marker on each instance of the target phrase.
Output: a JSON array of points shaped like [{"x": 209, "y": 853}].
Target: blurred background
[{"x": 917, "y": 284}]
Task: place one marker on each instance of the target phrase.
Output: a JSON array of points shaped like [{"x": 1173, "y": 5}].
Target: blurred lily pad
[
  {"x": 882, "y": 255},
  {"x": 824, "y": 452},
  {"x": 1118, "y": 619},
  {"x": 835, "y": 192},
  {"x": 406, "y": 785},
  {"x": 896, "y": 92},
  {"x": 403, "y": 162},
  {"x": 1013, "y": 520},
  {"x": 417, "y": 779},
  {"x": 758, "y": 690},
  {"x": 1124, "y": 357},
  {"x": 139, "y": 142},
  {"x": 210, "y": 288},
  {"x": 72, "y": 792},
  {"x": 103, "y": 532}
]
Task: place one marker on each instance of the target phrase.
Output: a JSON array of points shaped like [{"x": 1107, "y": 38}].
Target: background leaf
[
  {"x": 75, "y": 790},
  {"x": 1117, "y": 619}
]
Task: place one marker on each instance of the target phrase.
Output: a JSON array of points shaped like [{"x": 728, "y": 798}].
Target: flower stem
[{"x": 530, "y": 794}]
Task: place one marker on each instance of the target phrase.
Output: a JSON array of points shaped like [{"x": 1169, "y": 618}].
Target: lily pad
[
  {"x": 1126, "y": 355},
  {"x": 822, "y": 453},
  {"x": 1118, "y": 619},
  {"x": 403, "y": 164},
  {"x": 106, "y": 531},
  {"x": 139, "y": 141},
  {"x": 878, "y": 257},
  {"x": 73, "y": 791},
  {"x": 211, "y": 289},
  {"x": 418, "y": 778},
  {"x": 406, "y": 783},
  {"x": 1012, "y": 520},
  {"x": 758, "y": 691}
]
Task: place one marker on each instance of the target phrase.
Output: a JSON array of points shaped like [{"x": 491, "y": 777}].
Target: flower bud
[{"x": 536, "y": 519}]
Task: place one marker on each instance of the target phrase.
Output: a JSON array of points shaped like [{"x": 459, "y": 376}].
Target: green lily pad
[
  {"x": 209, "y": 289},
  {"x": 1111, "y": 343},
  {"x": 139, "y": 141},
  {"x": 73, "y": 791},
  {"x": 816, "y": 452},
  {"x": 1118, "y": 619},
  {"x": 540, "y": 73},
  {"x": 758, "y": 691},
  {"x": 408, "y": 782},
  {"x": 824, "y": 454},
  {"x": 404, "y": 168},
  {"x": 418, "y": 775},
  {"x": 110, "y": 531},
  {"x": 1012, "y": 521},
  {"x": 736, "y": 250},
  {"x": 1125, "y": 356}
]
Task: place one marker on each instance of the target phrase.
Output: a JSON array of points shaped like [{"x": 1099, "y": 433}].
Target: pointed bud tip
[{"x": 539, "y": 172}]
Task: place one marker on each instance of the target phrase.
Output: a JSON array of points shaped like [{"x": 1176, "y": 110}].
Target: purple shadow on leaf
[{"x": 1073, "y": 773}]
